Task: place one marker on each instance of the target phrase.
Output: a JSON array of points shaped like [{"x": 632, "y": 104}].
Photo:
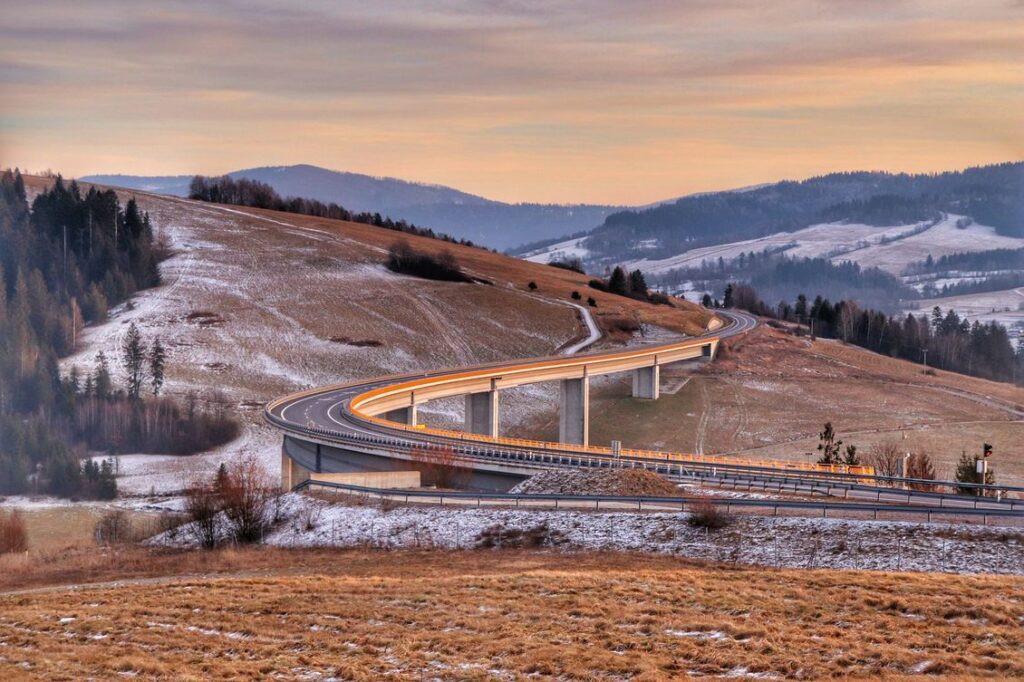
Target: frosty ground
[{"x": 785, "y": 542}]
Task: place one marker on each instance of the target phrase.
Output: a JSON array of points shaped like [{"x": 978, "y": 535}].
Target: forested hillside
[
  {"x": 991, "y": 195},
  {"x": 62, "y": 265},
  {"x": 941, "y": 339}
]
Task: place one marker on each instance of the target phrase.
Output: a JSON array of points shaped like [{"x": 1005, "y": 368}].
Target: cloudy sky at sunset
[{"x": 554, "y": 100}]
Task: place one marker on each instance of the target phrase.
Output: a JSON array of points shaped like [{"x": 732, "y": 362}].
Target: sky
[{"x": 598, "y": 101}]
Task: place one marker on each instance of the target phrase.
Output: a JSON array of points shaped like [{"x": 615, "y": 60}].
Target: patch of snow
[
  {"x": 787, "y": 542},
  {"x": 570, "y": 248}
]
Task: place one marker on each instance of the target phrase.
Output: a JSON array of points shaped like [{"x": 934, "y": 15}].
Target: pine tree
[
  {"x": 617, "y": 281},
  {"x": 157, "y": 358},
  {"x": 133, "y": 360},
  {"x": 800, "y": 309},
  {"x": 103, "y": 386},
  {"x": 829, "y": 446},
  {"x": 967, "y": 472},
  {"x": 637, "y": 283},
  {"x": 727, "y": 301}
]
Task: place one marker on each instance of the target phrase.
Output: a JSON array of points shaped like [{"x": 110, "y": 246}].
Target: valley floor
[{"x": 502, "y": 615}]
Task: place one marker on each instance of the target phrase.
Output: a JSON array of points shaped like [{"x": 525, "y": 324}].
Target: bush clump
[
  {"x": 404, "y": 259},
  {"x": 236, "y": 505},
  {"x": 706, "y": 514},
  {"x": 575, "y": 263},
  {"x": 499, "y": 537},
  {"x": 13, "y": 534}
]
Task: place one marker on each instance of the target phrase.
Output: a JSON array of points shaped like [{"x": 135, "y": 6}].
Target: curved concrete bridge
[{"x": 367, "y": 425}]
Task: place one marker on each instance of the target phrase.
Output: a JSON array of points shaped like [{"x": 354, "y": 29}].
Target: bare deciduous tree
[{"x": 886, "y": 458}]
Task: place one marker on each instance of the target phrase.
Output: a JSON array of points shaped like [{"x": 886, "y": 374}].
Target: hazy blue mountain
[
  {"x": 175, "y": 185},
  {"x": 492, "y": 223}
]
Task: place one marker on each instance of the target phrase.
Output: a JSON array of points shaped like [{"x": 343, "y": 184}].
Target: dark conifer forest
[{"x": 939, "y": 339}]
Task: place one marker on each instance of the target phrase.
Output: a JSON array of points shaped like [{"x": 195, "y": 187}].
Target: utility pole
[{"x": 924, "y": 351}]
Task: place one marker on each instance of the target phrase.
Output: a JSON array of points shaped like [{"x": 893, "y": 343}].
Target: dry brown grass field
[
  {"x": 503, "y": 615},
  {"x": 768, "y": 395},
  {"x": 57, "y": 528}
]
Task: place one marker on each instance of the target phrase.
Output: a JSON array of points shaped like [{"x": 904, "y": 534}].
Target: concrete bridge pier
[
  {"x": 647, "y": 382},
  {"x": 292, "y": 473},
  {"x": 574, "y": 417},
  {"x": 482, "y": 413},
  {"x": 403, "y": 415}
]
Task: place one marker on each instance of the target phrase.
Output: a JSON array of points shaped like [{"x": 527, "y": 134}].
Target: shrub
[
  {"x": 591, "y": 302},
  {"x": 532, "y": 286},
  {"x": 441, "y": 467},
  {"x": 576, "y": 296},
  {"x": 499, "y": 537},
  {"x": 658, "y": 298},
  {"x": 886, "y": 458},
  {"x": 238, "y": 502},
  {"x": 920, "y": 466},
  {"x": 13, "y": 534},
  {"x": 575, "y": 264},
  {"x": 114, "y": 528},
  {"x": 202, "y": 506},
  {"x": 706, "y": 514},
  {"x": 246, "y": 494},
  {"x": 620, "y": 323}
]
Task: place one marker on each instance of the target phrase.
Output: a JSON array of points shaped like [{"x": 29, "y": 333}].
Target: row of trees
[
  {"x": 630, "y": 284},
  {"x": 245, "y": 192},
  {"x": 969, "y": 261},
  {"x": 891, "y": 461},
  {"x": 942, "y": 340}
]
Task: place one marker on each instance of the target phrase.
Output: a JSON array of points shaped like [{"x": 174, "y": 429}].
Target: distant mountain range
[{"x": 492, "y": 223}]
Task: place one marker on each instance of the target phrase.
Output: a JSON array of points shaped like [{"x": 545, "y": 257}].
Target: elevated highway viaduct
[{"x": 372, "y": 425}]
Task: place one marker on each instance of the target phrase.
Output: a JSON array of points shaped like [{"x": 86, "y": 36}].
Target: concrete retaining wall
[{"x": 374, "y": 479}]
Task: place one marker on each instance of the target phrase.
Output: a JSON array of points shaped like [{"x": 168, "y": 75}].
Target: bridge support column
[
  {"x": 482, "y": 413},
  {"x": 647, "y": 382},
  {"x": 403, "y": 415},
  {"x": 574, "y": 418},
  {"x": 292, "y": 473}
]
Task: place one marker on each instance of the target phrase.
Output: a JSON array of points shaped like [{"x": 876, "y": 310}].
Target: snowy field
[
  {"x": 1005, "y": 307},
  {"x": 570, "y": 248},
  {"x": 782, "y": 541},
  {"x": 890, "y": 248}
]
